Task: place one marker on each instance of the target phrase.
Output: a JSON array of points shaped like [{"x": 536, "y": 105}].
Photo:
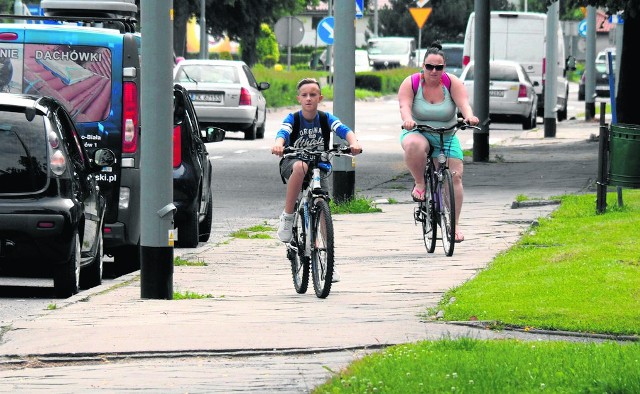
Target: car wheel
[
  {"x": 188, "y": 231},
  {"x": 251, "y": 132},
  {"x": 91, "y": 275},
  {"x": 581, "y": 94},
  {"x": 66, "y": 277},
  {"x": 260, "y": 130},
  {"x": 205, "y": 226},
  {"x": 528, "y": 122},
  {"x": 562, "y": 114}
]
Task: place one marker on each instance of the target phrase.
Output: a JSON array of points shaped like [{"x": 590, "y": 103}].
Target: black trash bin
[{"x": 624, "y": 155}]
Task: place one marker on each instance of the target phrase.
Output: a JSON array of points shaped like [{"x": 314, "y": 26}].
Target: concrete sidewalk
[{"x": 256, "y": 334}]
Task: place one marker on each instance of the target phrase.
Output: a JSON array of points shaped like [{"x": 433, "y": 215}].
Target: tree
[
  {"x": 629, "y": 83},
  {"x": 447, "y": 21},
  {"x": 241, "y": 19},
  {"x": 182, "y": 11},
  {"x": 267, "y": 46}
]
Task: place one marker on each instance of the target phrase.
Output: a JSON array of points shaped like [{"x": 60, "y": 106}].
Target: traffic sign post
[
  {"x": 325, "y": 30},
  {"x": 582, "y": 28},
  {"x": 359, "y": 8},
  {"x": 420, "y": 15},
  {"x": 289, "y": 31}
]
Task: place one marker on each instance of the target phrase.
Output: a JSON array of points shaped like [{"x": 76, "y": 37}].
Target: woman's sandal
[
  {"x": 459, "y": 237},
  {"x": 417, "y": 195}
]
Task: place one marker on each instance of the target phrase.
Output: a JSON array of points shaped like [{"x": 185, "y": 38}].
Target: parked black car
[
  {"x": 192, "y": 194},
  {"x": 51, "y": 208}
]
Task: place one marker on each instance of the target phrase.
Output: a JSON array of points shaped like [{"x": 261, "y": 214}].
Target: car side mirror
[
  {"x": 103, "y": 158},
  {"x": 215, "y": 134},
  {"x": 536, "y": 83},
  {"x": 264, "y": 85}
]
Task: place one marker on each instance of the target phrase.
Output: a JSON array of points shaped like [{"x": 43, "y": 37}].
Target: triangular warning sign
[{"x": 420, "y": 15}]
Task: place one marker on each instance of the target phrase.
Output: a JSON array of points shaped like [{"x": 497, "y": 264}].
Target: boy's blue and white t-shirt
[{"x": 310, "y": 132}]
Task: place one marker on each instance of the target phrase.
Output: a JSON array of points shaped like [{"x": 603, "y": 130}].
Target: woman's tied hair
[
  {"x": 435, "y": 49},
  {"x": 305, "y": 81}
]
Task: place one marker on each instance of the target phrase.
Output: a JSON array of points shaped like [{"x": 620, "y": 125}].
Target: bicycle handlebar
[
  {"x": 312, "y": 151},
  {"x": 460, "y": 125}
]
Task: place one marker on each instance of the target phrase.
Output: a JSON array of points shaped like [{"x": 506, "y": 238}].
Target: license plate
[
  {"x": 496, "y": 93},
  {"x": 209, "y": 97}
]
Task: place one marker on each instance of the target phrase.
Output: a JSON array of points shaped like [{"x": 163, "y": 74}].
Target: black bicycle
[
  {"x": 439, "y": 207},
  {"x": 312, "y": 244}
]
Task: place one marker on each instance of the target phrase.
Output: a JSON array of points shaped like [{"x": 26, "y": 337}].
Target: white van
[
  {"x": 391, "y": 52},
  {"x": 521, "y": 37}
]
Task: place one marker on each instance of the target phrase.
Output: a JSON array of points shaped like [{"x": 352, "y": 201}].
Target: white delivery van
[
  {"x": 521, "y": 37},
  {"x": 391, "y": 52}
]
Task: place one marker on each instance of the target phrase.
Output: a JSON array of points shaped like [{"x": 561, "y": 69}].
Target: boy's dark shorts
[{"x": 286, "y": 169}]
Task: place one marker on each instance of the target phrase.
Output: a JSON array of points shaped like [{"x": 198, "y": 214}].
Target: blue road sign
[
  {"x": 359, "y": 8},
  {"x": 582, "y": 28},
  {"x": 325, "y": 30}
]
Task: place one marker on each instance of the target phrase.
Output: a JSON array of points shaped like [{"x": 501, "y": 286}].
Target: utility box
[{"x": 624, "y": 155}]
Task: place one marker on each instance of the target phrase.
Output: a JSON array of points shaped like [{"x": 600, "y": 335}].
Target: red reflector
[
  {"x": 107, "y": 230},
  {"x": 522, "y": 92},
  {"x": 129, "y": 118},
  {"x": 245, "y": 97},
  {"x": 177, "y": 147},
  {"x": 465, "y": 60},
  {"x": 7, "y": 36},
  {"x": 46, "y": 225}
]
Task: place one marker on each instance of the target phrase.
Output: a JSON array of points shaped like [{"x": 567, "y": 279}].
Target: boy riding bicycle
[{"x": 308, "y": 127}]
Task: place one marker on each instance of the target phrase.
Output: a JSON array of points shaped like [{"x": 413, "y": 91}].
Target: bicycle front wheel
[
  {"x": 447, "y": 212},
  {"x": 322, "y": 249},
  {"x": 427, "y": 212},
  {"x": 299, "y": 262}
]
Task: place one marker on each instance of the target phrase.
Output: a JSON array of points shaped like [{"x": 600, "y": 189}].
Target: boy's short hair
[{"x": 306, "y": 81}]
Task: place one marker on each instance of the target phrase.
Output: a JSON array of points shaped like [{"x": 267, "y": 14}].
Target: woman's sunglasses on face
[{"x": 437, "y": 67}]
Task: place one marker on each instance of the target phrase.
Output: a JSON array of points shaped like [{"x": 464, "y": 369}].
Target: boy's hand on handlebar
[
  {"x": 355, "y": 148},
  {"x": 277, "y": 150}
]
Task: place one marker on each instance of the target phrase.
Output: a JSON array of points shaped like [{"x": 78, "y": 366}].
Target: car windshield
[
  {"x": 208, "y": 73},
  {"x": 497, "y": 73},
  {"x": 23, "y": 153},
  {"x": 453, "y": 56},
  {"x": 388, "y": 47}
]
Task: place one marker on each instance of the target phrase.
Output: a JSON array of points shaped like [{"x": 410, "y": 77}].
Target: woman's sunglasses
[{"x": 437, "y": 67}]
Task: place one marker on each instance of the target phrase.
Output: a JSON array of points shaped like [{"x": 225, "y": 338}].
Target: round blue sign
[
  {"x": 582, "y": 28},
  {"x": 325, "y": 30}
]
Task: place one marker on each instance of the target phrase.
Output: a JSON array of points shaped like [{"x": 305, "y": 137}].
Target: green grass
[
  {"x": 189, "y": 295},
  {"x": 52, "y": 307},
  {"x": 480, "y": 366},
  {"x": 354, "y": 205},
  {"x": 178, "y": 261},
  {"x": 578, "y": 271},
  {"x": 260, "y": 231}
]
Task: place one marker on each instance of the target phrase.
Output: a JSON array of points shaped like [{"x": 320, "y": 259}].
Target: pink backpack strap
[
  {"x": 446, "y": 81},
  {"x": 415, "y": 82}
]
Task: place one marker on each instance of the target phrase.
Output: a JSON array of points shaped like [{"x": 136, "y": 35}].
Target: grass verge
[
  {"x": 481, "y": 366},
  {"x": 578, "y": 271},
  {"x": 260, "y": 231}
]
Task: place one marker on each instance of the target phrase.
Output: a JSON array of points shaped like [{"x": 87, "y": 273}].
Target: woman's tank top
[{"x": 443, "y": 114}]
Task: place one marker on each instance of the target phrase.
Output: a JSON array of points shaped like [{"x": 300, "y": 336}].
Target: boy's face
[{"x": 309, "y": 96}]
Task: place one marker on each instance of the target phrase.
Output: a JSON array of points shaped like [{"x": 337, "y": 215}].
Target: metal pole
[
  {"x": 551, "y": 73},
  {"x": 375, "y": 18},
  {"x": 156, "y": 180},
  {"x": 204, "y": 37},
  {"x": 481, "y": 86},
  {"x": 17, "y": 7},
  {"x": 601, "y": 182},
  {"x": 590, "y": 65},
  {"x": 344, "y": 96},
  {"x": 289, "y": 43},
  {"x": 329, "y": 58}
]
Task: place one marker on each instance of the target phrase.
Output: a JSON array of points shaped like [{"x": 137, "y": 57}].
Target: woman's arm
[
  {"x": 461, "y": 98},
  {"x": 405, "y": 98}
]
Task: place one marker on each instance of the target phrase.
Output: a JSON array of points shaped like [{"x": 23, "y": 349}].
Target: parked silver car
[
  {"x": 225, "y": 94},
  {"x": 511, "y": 93}
]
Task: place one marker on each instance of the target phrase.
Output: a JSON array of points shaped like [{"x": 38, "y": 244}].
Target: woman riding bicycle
[
  {"x": 437, "y": 96},
  {"x": 309, "y": 133}
]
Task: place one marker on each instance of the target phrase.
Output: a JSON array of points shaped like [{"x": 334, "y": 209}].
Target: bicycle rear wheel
[
  {"x": 428, "y": 214},
  {"x": 322, "y": 249},
  {"x": 299, "y": 262},
  {"x": 447, "y": 213}
]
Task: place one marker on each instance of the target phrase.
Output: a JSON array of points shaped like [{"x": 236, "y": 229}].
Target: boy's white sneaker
[
  {"x": 336, "y": 276},
  {"x": 285, "y": 229}
]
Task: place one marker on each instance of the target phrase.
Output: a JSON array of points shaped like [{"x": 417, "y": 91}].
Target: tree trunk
[
  {"x": 249, "y": 49},
  {"x": 181, "y": 16},
  {"x": 629, "y": 84}
]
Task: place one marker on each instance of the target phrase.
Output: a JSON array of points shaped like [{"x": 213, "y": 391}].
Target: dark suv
[
  {"x": 192, "y": 194},
  {"x": 51, "y": 209}
]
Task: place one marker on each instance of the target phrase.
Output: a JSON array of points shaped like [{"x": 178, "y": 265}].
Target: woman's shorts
[{"x": 452, "y": 145}]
